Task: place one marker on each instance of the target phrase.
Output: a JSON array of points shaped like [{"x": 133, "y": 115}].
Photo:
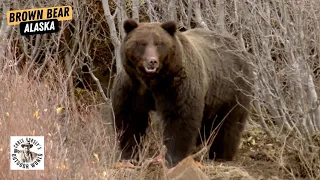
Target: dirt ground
[
  {"x": 253, "y": 162},
  {"x": 253, "y": 156},
  {"x": 259, "y": 158}
]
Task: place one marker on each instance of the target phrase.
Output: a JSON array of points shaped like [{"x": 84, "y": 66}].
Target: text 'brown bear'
[{"x": 195, "y": 81}]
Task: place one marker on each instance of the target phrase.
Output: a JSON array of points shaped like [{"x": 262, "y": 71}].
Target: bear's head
[{"x": 148, "y": 48}]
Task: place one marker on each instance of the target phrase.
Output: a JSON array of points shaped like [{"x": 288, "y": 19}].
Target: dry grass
[{"x": 78, "y": 145}]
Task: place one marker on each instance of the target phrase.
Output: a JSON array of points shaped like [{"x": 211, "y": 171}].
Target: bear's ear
[
  {"x": 129, "y": 25},
  {"x": 170, "y": 27}
]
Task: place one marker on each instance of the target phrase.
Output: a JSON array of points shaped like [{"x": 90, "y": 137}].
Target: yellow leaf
[
  {"x": 7, "y": 114},
  {"x": 45, "y": 110},
  {"x": 62, "y": 166},
  {"x": 123, "y": 165},
  {"x": 104, "y": 173},
  {"x": 96, "y": 156},
  {"x": 59, "y": 109},
  {"x": 36, "y": 114},
  {"x": 253, "y": 142}
]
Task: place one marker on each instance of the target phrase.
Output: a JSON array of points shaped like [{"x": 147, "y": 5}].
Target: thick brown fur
[{"x": 195, "y": 86}]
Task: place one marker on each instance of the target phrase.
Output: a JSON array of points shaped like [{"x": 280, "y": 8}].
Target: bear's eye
[
  {"x": 158, "y": 44},
  {"x": 142, "y": 44}
]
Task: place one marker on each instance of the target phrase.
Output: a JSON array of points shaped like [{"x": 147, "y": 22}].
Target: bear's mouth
[{"x": 150, "y": 69}]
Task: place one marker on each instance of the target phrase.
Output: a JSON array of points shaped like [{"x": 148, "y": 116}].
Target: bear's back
[
  {"x": 217, "y": 51},
  {"x": 222, "y": 57},
  {"x": 211, "y": 39}
]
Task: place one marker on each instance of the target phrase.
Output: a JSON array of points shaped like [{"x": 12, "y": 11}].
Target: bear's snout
[{"x": 151, "y": 64}]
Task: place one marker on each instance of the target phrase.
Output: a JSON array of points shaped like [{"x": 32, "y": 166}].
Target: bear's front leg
[
  {"x": 131, "y": 106},
  {"x": 182, "y": 115}
]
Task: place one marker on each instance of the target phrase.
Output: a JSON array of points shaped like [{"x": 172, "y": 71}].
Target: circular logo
[{"x": 27, "y": 153}]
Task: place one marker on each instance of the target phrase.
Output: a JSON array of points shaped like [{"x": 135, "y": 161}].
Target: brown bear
[{"x": 195, "y": 80}]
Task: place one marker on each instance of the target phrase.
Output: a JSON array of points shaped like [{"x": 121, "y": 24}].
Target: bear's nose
[
  {"x": 152, "y": 61},
  {"x": 151, "y": 64}
]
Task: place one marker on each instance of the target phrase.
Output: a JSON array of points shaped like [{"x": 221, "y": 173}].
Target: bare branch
[
  {"x": 153, "y": 15},
  {"x": 4, "y": 31},
  {"x": 172, "y": 11},
  {"x": 99, "y": 85},
  {"x": 198, "y": 16},
  {"x": 121, "y": 16},
  {"x": 221, "y": 15},
  {"x": 189, "y": 14},
  {"x": 313, "y": 98},
  {"x": 113, "y": 32},
  {"x": 135, "y": 10}
]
